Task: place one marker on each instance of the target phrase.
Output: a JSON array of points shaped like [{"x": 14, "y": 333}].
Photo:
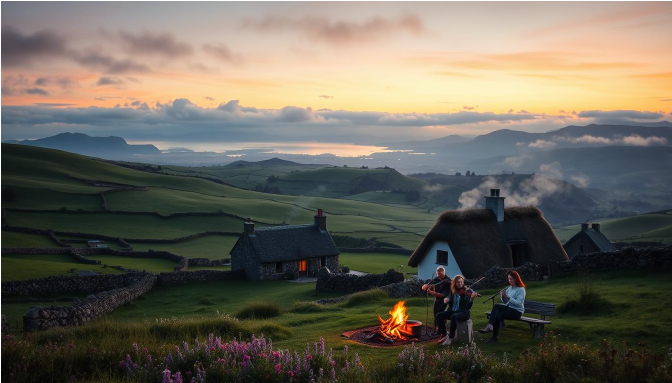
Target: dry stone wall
[
  {"x": 184, "y": 277},
  {"x": 68, "y": 284},
  {"x": 93, "y": 306},
  {"x": 349, "y": 283}
]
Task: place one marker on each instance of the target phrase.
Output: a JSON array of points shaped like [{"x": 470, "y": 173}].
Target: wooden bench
[{"x": 537, "y": 325}]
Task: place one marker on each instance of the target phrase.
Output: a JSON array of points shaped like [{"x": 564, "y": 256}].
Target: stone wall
[
  {"x": 85, "y": 284},
  {"x": 349, "y": 283},
  {"x": 183, "y": 277},
  {"x": 82, "y": 311},
  {"x": 625, "y": 258},
  {"x": 207, "y": 262}
]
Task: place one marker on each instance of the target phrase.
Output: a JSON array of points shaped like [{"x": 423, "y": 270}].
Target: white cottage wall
[{"x": 428, "y": 265}]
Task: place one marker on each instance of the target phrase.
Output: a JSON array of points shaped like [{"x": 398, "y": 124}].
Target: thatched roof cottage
[
  {"x": 278, "y": 252},
  {"x": 469, "y": 242},
  {"x": 588, "y": 240}
]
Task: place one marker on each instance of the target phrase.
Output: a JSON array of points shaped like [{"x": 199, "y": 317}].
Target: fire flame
[{"x": 396, "y": 327}]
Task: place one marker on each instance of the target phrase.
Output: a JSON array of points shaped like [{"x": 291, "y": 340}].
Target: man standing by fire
[{"x": 438, "y": 287}]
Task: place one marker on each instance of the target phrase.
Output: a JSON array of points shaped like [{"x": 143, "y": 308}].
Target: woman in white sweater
[{"x": 513, "y": 298}]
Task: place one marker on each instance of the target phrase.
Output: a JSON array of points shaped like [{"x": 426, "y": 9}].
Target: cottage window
[
  {"x": 323, "y": 261},
  {"x": 278, "y": 267},
  {"x": 581, "y": 248},
  {"x": 442, "y": 257}
]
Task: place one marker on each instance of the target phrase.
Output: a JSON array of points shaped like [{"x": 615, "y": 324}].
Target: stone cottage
[
  {"x": 588, "y": 240},
  {"x": 470, "y": 242},
  {"x": 274, "y": 252}
]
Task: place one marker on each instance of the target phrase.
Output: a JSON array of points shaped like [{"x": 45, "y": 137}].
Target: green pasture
[
  {"x": 155, "y": 265},
  {"x": 125, "y": 226},
  {"x": 375, "y": 263},
  {"x": 12, "y": 239},
  {"x": 29, "y": 198},
  {"x": 211, "y": 246},
  {"x": 27, "y": 266}
]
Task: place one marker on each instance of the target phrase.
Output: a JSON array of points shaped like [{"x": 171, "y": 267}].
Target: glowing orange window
[{"x": 302, "y": 265}]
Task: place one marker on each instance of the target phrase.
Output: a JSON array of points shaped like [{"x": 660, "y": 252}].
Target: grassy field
[
  {"x": 212, "y": 246},
  {"x": 27, "y": 266},
  {"x": 614, "y": 321},
  {"x": 155, "y": 265},
  {"x": 303, "y": 323},
  {"x": 375, "y": 262},
  {"x": 12, "y": 239}
]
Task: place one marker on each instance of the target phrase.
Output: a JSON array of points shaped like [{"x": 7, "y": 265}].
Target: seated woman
[
  {"x": 513, "y": 298},
  {"x": 459, "y": 305}
]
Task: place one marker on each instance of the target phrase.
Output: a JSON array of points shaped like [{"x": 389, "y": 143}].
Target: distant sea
[{"x": 309, "y": 148}]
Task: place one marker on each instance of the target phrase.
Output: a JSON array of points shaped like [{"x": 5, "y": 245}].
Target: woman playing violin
[
  {"x": 459, "y": 300},
  {"x": 513, "y": 298}
]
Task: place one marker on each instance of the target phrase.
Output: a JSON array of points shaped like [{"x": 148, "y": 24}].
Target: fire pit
[{"x": 395, "y": 331}]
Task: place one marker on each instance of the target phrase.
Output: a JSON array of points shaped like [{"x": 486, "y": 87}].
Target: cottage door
[{"x": 303, "y": 268}]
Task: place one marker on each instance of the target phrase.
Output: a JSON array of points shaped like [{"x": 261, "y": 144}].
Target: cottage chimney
[
  {"x": 248, "y": 227},
  {"x": 495, "y": 203},
  {"x": 321, "y": 220},
  {"x": 584, "y": 227},
  {"x": 596, "y": 227}
]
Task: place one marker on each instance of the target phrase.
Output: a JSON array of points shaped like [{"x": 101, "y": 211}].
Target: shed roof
[
  {"x": 596, "y": 237},
  {"x": 290, "y": 242}
]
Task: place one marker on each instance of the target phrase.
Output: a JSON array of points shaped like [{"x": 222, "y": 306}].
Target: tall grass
[
  {"x": 260, "y": 310},
  {"x": 586, "y": 300}
]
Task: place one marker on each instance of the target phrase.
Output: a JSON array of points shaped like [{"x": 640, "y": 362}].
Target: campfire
[
  {"x": 397, "y": 325},
  {"x": 395, "y": 330}
]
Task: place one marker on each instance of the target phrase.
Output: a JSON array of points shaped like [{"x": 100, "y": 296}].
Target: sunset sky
[{"x": 383, "y": 70}]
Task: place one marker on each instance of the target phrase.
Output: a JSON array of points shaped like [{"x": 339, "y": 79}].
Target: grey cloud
[
  {"x": 24, "y": 49},
  {"x": 109, "y": 81},
  {"x": 620, "y": 115},
  {"x": 466, "y": 107},
  {"x": 132, "y": 79},
  {"x": 21, "y": 49},
  {"x": 339, "y": 32},
  {"x": 10, "y": 83},
  {"x": 209, "y": 98},
  {"x": 325, "y": 96},
  {"x": 108, "y": 64},
  {"x": 148, "y": 43},
  {"x": 62, "y": 82},
  {"x": 223, "y": 53},
  {"x": 52, "y": 104},
  {"x": 36, "y": 90}
]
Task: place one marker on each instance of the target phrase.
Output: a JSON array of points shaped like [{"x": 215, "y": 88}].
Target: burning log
[{"x": 397, "y": 327}]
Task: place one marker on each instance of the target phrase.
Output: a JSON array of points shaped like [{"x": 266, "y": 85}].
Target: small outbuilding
[
  {"x": 588, "y": 240},
  {"x": 97, "y": 244},
  {"x": 270, "y": 253},
  {"x": 471, "y": 241}
]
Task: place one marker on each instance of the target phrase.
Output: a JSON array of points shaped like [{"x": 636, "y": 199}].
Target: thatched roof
[
  {"x": 478, "y": 242},
  {"x": 290, "y": 243}
]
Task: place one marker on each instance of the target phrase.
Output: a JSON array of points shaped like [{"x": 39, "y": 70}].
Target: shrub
[
  {"x": 260, "y": 310},
  {"x": 586, "y": 300},
  {"x": 309, "y": 307},
  {"x": 365, "y": 297},
  {"x": 345, "y": 269},
  {"x": 206, "y": 301},
  {"x": 291, "y": 275}
]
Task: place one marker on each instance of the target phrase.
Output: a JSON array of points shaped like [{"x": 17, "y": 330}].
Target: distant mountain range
[
  {"x": 104, "y": 147},
  {"x": 506, "y": 141}
]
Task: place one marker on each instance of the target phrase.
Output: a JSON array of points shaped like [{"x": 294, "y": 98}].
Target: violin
[{"x": 468, "y": 292}]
